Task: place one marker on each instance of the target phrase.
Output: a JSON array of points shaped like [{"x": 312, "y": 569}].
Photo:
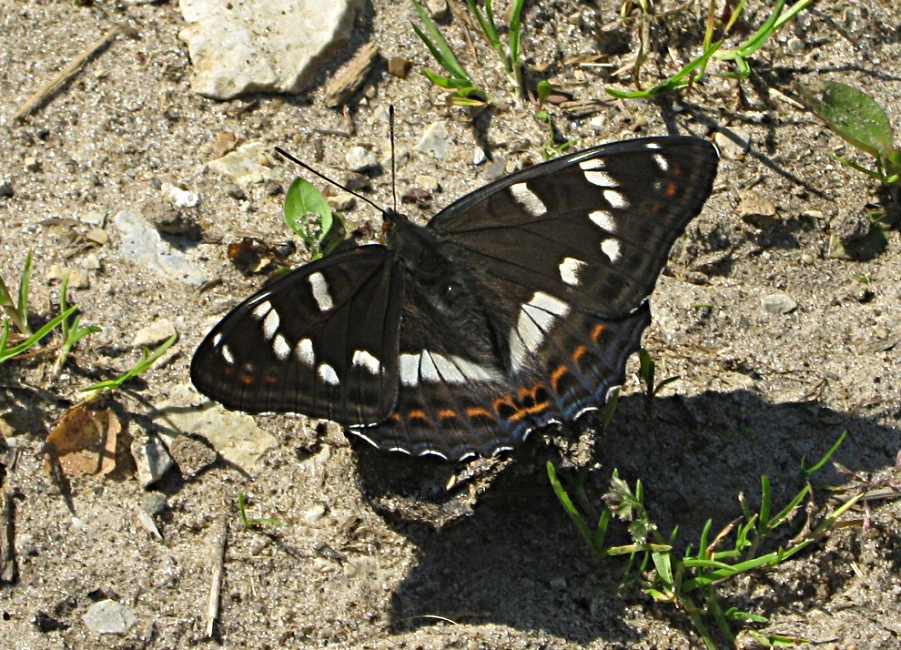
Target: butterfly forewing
[
  {"x": 593, "y": 228},
  {"x": 322, "y": 341}
]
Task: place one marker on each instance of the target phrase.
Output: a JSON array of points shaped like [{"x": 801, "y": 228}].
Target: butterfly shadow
[{"x": 518, "y": 561}]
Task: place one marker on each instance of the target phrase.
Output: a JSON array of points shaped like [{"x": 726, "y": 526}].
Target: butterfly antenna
[
  {"x": 391, "y": 135},
  {"x": 284, "y": 153}
]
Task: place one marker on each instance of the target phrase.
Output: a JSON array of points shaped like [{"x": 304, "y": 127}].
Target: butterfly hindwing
[{"x": 328, "y": 342}]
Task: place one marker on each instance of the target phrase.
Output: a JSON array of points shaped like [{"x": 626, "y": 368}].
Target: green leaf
[
  {"x": 301, "y": 199},
  {"x": 544, "y": 91},
  {"x": 853, "y": 114}
]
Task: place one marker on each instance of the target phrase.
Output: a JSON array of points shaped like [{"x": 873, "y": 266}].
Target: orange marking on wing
[
  {"x": 444, "y": 414},
  {"x": 417, "y": 414},
  {"x": 556, "y": 375},
  {"x": 246, "y": 378},
  {"x": 579, "y": 351},
  {"x": 596, "y": 332},
  {"x": 656, "y": 207},
  {"x": 394, "y": 417},
  {"x": 271, "y": 379},
  {"x": 478, "y": 412},
  {"x": 672, "y": 189}
]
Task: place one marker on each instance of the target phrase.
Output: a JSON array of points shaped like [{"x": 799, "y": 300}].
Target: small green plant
[
  {"x": 7, "y": 352},
  {"x": 72, "y": 334},
  {"x": 647, "y": 370},
  {"x": 310, "y": 217},
  {"x": 859, "y": 120},
  {"x": 694, "y": 71},
  {"x": 147, "y": 359},
  {"x": 466, "y": 92},
  {"x": 690, "y": 581},
  {"x": 17, "y": 312},
  {"x": 248, "y": 522},
  {"x": 17, "y": 316}
]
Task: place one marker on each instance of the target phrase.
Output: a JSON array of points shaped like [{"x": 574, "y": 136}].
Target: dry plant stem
[
  {"x": 347, "y": 80},
  {"x": 8, "y": 569},
  {"x": 212, "y": 610},
  {"x": 65, "y": 74}
]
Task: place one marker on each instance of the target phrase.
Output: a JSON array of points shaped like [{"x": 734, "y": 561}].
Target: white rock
[
  {"x": 435, "y": 142},
  {"x": 180, "y": 198},
  {"x": 245, "y": 46}
]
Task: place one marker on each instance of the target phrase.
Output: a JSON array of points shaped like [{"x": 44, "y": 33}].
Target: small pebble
[
  {"x": 435, "y": 141},
  {"x": 399, "y": 67},
  {"x": 6, "y": 189},
  {"x": 32, "y": 164},
  {"x": 359, "y": 159},
  {"x": 427, "y": 182},
  {"x": 109, "y": 617},
  {"x": 778, "y": 303},
  {"x": 154, "y": 333}
]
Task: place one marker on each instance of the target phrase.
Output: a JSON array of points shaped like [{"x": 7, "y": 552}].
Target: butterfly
[{"x": 515, "y": 307}]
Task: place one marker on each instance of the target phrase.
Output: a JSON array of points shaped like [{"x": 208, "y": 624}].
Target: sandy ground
[{"x": 359, "y": 561}]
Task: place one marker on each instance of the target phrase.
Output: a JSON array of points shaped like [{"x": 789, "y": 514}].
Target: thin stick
[
  {"x": 212, "y": 610},
  {"x": 65, "y": 74}
]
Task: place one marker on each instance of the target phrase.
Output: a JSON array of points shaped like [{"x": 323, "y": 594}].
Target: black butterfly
[{"x": 515, "y": 307}]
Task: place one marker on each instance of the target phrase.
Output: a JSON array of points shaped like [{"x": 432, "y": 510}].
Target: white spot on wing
[
  {"x": 569, "y": 270},
  {"x": 328, "y": 374},
  {"x": 304, "y": 352},
  {"x": 217, "y": 338},
  {"x": 280, "y": 347},
  {"x": 528, "y": 199},
  {"x": 603, "y": 219},
  {"x": 653, "y": 146},
  {"x": 320, "y": 291},
  {"x": 227, "y": 355},
  {"x": 261, "y": 310},
  {"x": 616, "y": 199},
  {"x": 611, "y": 248},
  {"x": 601, "y": 179},
  {"x": 409, "y": 369},
  {"x": 661, "y": 162},
  {"x": 270, "y": 324},
  {"x": 368, "y": 362},
  {"x": 594, "y": 163},
  {"x": 535, "y": 318}
]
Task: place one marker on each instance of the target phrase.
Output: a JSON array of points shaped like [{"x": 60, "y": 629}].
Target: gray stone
[
  {"x": 427, "y": 182},
  {"x": 278, "y": 46},
  {"x": 360, "y": 159},
  {"x": 152, "y": 460},
  {"x": 142, "y": 245},
  {"x": 495, "y": 168},
  {"x": 778, "y": 303},
  {"x": 109, "y": 617},
  {"x": 435, "y": 141}
]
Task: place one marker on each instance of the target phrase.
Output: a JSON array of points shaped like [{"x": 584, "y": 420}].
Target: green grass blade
[
  {"x": 437, "y": 45},
  {"x": 147, "y": 360}
]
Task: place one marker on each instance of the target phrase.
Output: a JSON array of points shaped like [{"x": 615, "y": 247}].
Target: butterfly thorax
[{"x": 442, "y": 291}]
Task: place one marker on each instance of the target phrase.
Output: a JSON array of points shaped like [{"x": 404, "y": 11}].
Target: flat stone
[
  {"x": 732, "y": 143},
  {"x": 235, "y": 436},
  {"x": 142, "y": 245},
  {"x": 109, "y": 617},
  {"x": 277, "y": 46},
  {"x": 427, "y": 182},
  {"x": 152, "y": 335},
  {"x": 247, "y": 165}
]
